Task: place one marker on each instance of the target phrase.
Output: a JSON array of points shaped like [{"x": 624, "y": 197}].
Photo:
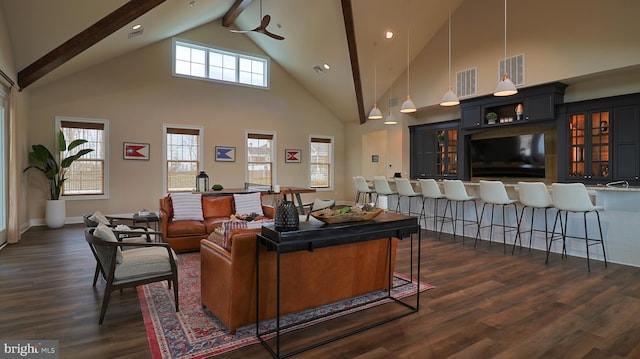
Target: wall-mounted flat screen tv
[{"x": 513, "y": 156}]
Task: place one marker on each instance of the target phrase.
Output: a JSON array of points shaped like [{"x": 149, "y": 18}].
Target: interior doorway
[{"x": 374, "y": 154}]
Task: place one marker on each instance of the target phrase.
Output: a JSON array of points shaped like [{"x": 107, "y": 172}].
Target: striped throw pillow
[
  {"x": 248, "y": 203},
  {"x": 187, "y": 206}
]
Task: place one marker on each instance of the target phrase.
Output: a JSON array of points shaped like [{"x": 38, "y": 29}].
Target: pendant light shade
[
  {"x": 449, "y": 98},
  {"x": 390, "y": 120},
  {"x": 375, "y": 113},
  {"x": 408, "y": 106},
  {"x": 506, "y": 86}
]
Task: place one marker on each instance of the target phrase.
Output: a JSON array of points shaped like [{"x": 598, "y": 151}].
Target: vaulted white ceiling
[{"x": 314, "y": 31}]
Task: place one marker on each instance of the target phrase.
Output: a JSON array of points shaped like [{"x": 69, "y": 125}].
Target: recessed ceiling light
[
  {"x": 388, "y": 34},
  {"x": 192, "y": 4},
  {"x": 326, "y": 66},
  {"x": 136, "y": 27}
]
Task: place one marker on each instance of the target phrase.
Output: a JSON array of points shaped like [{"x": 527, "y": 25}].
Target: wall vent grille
[
  {"x": 514, "y": 66},
  {"x": 466, "y": 83}
]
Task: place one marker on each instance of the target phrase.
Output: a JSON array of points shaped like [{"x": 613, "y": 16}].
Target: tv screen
[{"x": 514, "y": 156}]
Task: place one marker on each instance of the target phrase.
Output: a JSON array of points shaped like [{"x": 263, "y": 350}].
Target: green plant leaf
[{"x": 76, "y": 143}]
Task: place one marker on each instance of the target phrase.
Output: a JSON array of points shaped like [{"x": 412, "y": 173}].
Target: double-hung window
[
  {"x": 183, "y": 157},
  {"x": 197, "y": 61},
  {"x": 87, "y": 176},
  {"x": 260, "y": 158},
  {"x": 321, "y": 158}
]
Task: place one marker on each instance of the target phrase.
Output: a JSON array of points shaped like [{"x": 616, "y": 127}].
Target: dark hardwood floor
[{"x": 485, "y": 305}]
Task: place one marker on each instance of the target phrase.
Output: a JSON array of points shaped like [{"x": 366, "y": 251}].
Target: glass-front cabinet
[
  {"x": 434, "y": 150},
  {"x": 447, "y": 153},
  {"x": 589, "y": 146}
]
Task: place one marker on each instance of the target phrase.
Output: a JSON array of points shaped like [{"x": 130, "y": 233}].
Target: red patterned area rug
[{"x": 195, "y": 332}]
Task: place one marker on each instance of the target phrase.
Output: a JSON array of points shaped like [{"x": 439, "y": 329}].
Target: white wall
[{"x": 138, "y": 94}]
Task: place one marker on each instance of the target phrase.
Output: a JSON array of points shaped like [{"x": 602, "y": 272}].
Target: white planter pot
[{"x": 55, "y": 213}]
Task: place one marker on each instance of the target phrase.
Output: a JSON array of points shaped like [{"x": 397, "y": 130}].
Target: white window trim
[
  {"x": 164, "y": 151},
  {"x": 274, "y": 167},
  {"x": 105, "y": 123},
  {"x": 332, "y": 167},
  {"x": 267, "y": 72}
]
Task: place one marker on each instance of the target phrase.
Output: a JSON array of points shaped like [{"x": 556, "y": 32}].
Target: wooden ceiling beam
[
  {"x": 235, "y": 10},
  {"x": 85, "y": 39},
  {"x": 347, "y": 14}
]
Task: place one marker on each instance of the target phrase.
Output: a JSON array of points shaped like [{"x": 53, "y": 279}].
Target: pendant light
[
  {"x": 375, "y": 113},
  {"x": 390, "y": 120},
  {"x": 450, "y": 98},
  {"x": 505, "y": 87},
  {"x": 408, "y": 106}
]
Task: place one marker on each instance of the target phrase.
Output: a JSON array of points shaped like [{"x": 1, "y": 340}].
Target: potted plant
[{"x": 55, "y": 172}]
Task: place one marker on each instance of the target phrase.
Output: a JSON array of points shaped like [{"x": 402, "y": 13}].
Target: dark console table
[{"x": 313, "y": 235}]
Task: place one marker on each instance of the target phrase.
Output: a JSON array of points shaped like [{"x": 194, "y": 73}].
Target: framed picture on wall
[
  {"x": 292, "y": 156},
  {"x": 225, "y": 154},
  {"x": 135, "y": 151}
]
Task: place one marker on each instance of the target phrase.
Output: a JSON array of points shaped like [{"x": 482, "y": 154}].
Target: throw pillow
[
  {"x": 98, "y": 217},
  {"x": 187, "y": 206},
  {"x": 248, "y": 203},
  {"x": 106, "y": 234}
]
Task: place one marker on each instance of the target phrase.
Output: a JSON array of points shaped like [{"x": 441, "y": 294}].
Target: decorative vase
[
  {"x": 55, "y": 213},
  {"x": 286, "y": 217}
]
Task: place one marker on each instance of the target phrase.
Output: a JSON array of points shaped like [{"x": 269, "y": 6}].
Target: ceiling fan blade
[
  {"x": 265, "y": 21},
  {"x": 272, "y": 35}
]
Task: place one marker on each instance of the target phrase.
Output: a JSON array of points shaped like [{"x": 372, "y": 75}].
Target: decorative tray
[{"x": 329, "y": 216}]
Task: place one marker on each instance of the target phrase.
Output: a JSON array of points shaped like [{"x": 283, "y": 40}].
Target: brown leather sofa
[
  {"x": 185, "y": 235},
  {"x": 308, "y": 279}
]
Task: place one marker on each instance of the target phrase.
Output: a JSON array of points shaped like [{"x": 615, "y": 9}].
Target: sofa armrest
[
  {"x": 269, "y": 211},
  {"x": 164, "y": 214}
]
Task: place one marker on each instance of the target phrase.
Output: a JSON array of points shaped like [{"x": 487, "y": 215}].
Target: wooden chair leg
[
  {"x": 105, "y": 303},
  {"x": 95, "y": 275}
]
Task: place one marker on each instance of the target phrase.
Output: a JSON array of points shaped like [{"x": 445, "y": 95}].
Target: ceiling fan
[{"x": 263, "y": 27}]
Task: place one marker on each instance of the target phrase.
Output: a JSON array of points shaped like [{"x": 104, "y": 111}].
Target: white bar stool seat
[
  {"x": 382, "y": 188},
  {"x": 493, "y": 193},
  {"x": 455, "y": 192},
  {"x": 573, "y": 197},
  {"x": 363, "y": 189},
  {"x": 405, "y": 189},
  {"x": 431, "y": 190},
  {"x": 534, "y": 195}
]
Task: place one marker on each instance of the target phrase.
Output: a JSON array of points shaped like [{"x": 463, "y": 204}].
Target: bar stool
[
  {"x": 362, "y": 188},
  {"x": 405, "y": 189},
  {"x": 431, "y": 190},
  {"x": 454, "y": 191},
  {"x": 382, "y": 188},
  {"x": 493, "y": 193},
  {"x": 573, "y": 197},
  {"x": 534, "y": 195}
]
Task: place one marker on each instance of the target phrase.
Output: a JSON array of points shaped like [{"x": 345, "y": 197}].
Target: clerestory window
[{"x": 208, "y": 63}]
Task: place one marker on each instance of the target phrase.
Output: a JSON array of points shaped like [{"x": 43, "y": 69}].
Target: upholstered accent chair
[
  {"x": 142, "y": 263},
  {"x": 128, "y": 234}
]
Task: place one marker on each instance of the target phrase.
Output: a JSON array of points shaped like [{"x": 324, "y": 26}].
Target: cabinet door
[
  {"x": 626, "y": 142},
  {"x": 589, "y": 146},
  {"x": 539, "y": 107},
  {"x": 471, "y": 117},
  {"x": 423, "y": 153}
]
